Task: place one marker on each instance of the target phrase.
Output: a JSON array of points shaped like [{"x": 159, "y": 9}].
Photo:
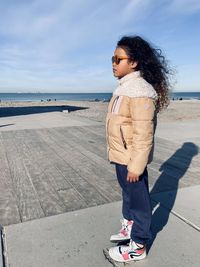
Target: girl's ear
[{"x": 133, "y": 64}]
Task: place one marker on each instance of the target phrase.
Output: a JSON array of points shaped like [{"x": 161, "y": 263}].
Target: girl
[{"x": 142, "y": 92}]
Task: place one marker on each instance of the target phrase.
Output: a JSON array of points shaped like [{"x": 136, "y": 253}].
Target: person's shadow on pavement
[{"x": 172, "y": 171}]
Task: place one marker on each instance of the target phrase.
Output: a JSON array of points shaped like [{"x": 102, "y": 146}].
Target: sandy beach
[{"x": 177, "y": 110}]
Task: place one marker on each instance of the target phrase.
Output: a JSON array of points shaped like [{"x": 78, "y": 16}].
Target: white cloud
[{"x": 135, "y": 9}]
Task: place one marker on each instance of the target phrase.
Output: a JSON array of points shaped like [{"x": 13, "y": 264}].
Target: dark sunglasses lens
[{"x": 115, "y": 60}]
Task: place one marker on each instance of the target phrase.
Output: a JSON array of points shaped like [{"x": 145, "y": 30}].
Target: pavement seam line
[
  {"x": 185, "y": 220},
  {"x": 3, "y": 250},
  {"x": 181, "y": 217}
]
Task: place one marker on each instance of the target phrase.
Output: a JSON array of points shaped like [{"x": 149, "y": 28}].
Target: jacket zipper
[{"x": 122, "y": 137}]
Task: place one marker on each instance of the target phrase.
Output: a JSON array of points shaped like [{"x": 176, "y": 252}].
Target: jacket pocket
[
  {"x": 107, "y": 131},
  {"x": 122, "y": 137}
]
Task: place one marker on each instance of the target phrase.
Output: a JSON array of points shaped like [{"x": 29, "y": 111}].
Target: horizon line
[{"x": 83, "y": 92}]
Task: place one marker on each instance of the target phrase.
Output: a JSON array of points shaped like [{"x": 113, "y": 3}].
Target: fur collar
[{"x": 133, "y": 85}]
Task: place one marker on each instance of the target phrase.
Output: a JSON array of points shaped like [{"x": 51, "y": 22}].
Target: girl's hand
[{"x": 132, "y": 178}]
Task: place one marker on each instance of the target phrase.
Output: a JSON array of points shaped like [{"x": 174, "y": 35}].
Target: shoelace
[
  {"x": 133, "y": 245},
  {"x": 124, "y": 226}
]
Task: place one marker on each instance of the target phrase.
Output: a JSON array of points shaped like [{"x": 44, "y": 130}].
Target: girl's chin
[{"x": 116, "y": 75}]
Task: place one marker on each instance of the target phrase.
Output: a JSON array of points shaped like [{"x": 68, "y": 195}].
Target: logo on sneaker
[
  {"x": 124, "y": 232},
  {"x": 137, "y": 252}
]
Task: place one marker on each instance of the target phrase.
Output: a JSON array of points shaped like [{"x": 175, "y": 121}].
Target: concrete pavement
[
  {"x": 179, "y": 131},
  {"x": 77, "y": 238}
]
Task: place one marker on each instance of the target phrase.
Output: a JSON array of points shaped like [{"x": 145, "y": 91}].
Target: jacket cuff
[
  {"x": 137, "y": 171},
  {"x": 137, "y": 165}
]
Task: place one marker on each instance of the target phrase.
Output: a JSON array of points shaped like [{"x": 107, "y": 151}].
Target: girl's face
[{"x": 121, "y": 65}]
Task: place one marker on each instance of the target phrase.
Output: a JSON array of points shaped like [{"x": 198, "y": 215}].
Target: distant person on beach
[{"x": 143, "y": 89}]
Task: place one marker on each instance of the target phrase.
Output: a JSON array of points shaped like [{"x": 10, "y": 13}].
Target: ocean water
[
  {"x": 80, "y": 96},
  {"x": 55, "y": 96},
  {"x": 185, "y": 95}
]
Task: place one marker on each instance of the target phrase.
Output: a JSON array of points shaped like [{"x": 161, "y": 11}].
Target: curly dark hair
[{"x": 151, "y": 64}]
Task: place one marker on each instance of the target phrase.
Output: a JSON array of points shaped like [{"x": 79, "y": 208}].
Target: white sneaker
[
  {"x": 129, "y": 253},
  {"x": 125, "y": 232}
]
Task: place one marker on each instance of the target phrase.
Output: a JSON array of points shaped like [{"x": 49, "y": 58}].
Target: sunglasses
[{"x": 117, "y": 60}]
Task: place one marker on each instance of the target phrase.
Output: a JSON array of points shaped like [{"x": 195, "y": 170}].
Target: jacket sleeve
[{"x": 142, "y": 111}]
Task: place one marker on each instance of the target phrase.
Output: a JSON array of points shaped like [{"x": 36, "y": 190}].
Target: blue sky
[{"x": 66, "y": 45}]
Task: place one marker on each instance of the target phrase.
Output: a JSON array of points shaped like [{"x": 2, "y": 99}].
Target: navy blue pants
[{"x": 136, "y": 204}]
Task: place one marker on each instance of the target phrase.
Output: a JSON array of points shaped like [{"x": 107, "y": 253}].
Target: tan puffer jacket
[{"x": 130, "y": 123}]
